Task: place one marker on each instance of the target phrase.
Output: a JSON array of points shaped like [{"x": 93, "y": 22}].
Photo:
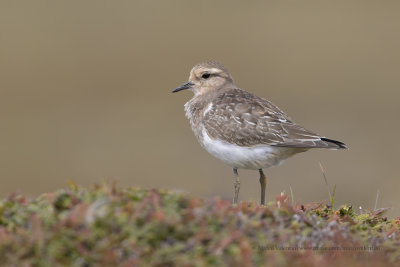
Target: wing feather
[{"x": 241, "y": 118}]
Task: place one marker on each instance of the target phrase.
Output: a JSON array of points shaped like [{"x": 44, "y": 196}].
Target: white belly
[{"x": 256, "y": 157}]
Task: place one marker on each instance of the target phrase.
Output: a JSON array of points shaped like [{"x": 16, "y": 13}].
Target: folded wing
[{"x": 241, "y": 118}]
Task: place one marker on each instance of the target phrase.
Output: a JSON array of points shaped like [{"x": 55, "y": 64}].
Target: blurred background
[{"x": 85, "y": 93}]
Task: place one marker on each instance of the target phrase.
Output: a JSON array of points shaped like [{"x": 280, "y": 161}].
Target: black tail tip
[{"x": 337, "y": 143}]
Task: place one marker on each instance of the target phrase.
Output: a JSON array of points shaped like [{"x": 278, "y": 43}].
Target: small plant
[
  {"x": 105, "y": 225},
  {"x": 331, "y": 195}
]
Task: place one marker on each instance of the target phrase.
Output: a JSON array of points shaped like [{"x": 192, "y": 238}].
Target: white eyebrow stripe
[{"x": 215, "y": 70}]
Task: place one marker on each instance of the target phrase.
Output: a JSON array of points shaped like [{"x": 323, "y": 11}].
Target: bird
[{"x": 241, "y": 129}]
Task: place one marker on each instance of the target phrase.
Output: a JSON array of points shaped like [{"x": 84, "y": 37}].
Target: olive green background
[{"x": 85, "y": 93}]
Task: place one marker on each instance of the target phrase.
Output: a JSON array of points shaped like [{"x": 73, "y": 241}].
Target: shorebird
[{"x": 240, "y": 128}]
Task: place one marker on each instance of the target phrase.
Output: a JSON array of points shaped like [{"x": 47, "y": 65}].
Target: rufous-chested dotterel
[{"x": 240, "y": 128}]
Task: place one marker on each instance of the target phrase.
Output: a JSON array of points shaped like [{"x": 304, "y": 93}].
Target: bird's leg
[
  {"x": 263, "y": 183},
  {"x": 237, "y": 186}
]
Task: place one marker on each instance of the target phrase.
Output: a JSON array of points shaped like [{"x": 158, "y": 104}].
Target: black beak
[{"x": 183, "y": 86}]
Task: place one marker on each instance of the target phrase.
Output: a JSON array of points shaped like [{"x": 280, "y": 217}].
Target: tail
[{"x": 334, "y": 144}]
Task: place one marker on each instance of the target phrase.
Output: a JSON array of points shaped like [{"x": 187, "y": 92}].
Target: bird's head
[{"x": 206, "y": 77}]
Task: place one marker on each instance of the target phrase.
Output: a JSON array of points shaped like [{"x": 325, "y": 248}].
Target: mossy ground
[{"x": 105, "y": 225}]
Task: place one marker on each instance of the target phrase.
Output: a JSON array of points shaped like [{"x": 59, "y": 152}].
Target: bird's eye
[{"x": 205, "y": 76}]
